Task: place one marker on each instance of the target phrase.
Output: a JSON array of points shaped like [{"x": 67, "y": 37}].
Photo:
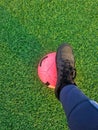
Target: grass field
[{"x": 29, "y": 30}]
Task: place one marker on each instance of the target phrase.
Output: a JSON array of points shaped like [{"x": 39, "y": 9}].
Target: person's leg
[{"x": 81, "y": 113}]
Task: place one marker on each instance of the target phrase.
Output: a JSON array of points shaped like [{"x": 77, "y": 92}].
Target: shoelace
[{"x": 68, "y": 72}]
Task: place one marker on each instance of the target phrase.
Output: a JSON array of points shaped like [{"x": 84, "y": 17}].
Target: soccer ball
[{"x": 47, "y": 70}]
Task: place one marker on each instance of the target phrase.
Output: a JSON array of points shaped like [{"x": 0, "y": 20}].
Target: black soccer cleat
[{"x": 65, "y": 64}]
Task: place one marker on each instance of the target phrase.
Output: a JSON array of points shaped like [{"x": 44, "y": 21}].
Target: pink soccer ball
[{"x": 47, "y": 70}]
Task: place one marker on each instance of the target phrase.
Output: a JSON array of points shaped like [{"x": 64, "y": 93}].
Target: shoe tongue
[{"x": 69, "y": 72}]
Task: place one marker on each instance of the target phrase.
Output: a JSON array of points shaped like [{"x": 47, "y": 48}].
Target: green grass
[{"x": 29, "y": 30}]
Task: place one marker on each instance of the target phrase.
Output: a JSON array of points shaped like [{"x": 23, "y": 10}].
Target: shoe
[{"x": 65, "y": 65}]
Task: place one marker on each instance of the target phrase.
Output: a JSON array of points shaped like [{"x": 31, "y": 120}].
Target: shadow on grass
[{"x": 20, "y": 42}]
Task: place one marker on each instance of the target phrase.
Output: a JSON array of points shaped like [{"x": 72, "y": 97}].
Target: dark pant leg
[{"x": 81, "y": 113}]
